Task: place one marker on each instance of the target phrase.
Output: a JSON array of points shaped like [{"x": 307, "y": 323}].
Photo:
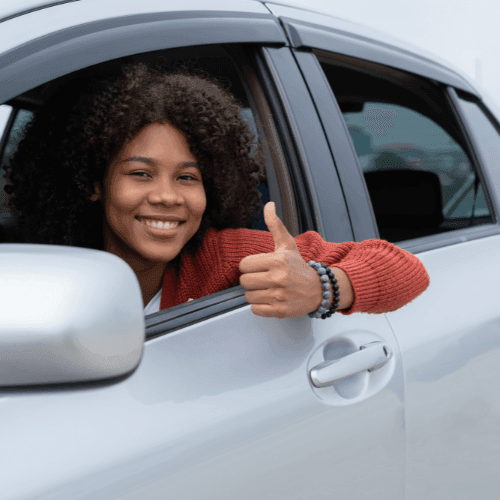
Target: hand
[{"x": 280, "y": 284}]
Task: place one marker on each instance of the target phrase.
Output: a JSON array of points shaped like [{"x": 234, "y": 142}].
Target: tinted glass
[{"x": 419, "y": 175}]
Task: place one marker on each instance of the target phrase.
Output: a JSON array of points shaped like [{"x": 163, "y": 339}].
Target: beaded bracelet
[{"x": 326, "y": 275}]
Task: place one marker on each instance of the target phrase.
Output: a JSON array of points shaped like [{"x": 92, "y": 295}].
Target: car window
[
  {"x": 415, "y": 162},
  {"x": 487, "y": 138},
  {"x": 214, "y": 62},
  {"x": 5, "y": 114},
  {"x": 11, "y": 140}
]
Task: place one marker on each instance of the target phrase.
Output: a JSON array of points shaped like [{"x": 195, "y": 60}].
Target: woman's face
[{"x": 153, "y": 196}]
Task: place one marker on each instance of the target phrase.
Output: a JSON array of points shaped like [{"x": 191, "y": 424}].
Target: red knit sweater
[{"x": 383, "y": 276}]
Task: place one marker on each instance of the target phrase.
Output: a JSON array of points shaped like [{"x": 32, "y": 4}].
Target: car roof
[
  {"x": 282, "y": 8},
  {"x": 14, "y": 8}
]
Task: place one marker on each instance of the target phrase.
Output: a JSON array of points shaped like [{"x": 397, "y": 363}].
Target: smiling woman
[
  {"x": 160, "y": 169},
  {"x": 154, "y": 200}
]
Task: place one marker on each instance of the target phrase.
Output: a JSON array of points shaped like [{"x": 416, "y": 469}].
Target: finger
[
  {"x": 282, "y": 238},
  {"x": 255, "y": 281},
  {"x": 268, "y": 311},
  {"x": 267, "y": 296},
  {"x": 264, "y": 311},
  {"x": 258, "y": 263}
]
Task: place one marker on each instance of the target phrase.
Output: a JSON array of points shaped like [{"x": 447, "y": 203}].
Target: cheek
[
  {"x": 122, "y": 197},
  {"x": 199, "y": 204}
]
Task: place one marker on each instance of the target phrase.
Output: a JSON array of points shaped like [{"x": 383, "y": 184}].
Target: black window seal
[{"x": 183, "y": 315}]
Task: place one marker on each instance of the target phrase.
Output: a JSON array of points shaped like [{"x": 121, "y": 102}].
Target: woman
[{"x": 160, "y": 170}]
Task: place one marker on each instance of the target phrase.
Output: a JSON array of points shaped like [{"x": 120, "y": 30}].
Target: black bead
[
  {"x": 336, "y": 293},
  {"x": 336, "y": 287},
  {"x": 334, "y": 281},
  {"x": 323, "y": 316}
]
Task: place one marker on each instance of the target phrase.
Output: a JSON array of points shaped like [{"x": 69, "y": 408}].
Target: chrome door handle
[{"x": 370, "y": 357}]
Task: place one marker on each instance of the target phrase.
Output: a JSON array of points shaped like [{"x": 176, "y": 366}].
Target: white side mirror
[{"x": 67, "y": 315}]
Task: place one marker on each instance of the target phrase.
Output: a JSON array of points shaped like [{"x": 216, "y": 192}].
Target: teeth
[{"x": 159, "y": 224}]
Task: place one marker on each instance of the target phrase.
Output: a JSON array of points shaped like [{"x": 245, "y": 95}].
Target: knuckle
[
  {"x": 282, "y": 258},
  {"x": 277, "y": 278}
]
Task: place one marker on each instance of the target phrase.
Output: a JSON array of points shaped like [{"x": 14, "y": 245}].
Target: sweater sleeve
[{"x": 383, "y": 276}]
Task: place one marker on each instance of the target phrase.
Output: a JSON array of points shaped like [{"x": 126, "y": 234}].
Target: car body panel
[
  {"x": 9, "y": 10},
  {"x": 450, "y": 341},
  {"x": 73, "y": 36},
  {"x": 221, "y": 409}
]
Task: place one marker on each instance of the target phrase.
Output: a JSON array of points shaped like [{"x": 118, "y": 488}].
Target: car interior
[{"x": 407, "y": 199}]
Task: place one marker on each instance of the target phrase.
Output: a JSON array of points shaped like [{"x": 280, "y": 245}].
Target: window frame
[
  {"x": 351, "y": 177},
  {"x": 264, "y": 93},
  {"x": 492, "y": 195},
  {"x": 31, "y": 63}
]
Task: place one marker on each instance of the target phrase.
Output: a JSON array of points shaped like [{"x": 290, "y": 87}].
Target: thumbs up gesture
[{"x": 280, "y": 284}]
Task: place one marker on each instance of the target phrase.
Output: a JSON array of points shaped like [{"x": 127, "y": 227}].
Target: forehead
[{"x": 158, "y": 140}]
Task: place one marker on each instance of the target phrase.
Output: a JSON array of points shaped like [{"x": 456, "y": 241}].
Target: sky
[{"x": 464, "y": 32}]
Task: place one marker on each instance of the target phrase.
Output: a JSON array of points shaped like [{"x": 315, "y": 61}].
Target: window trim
[
  {"x": 347, "y": 166},
  {"x": 441, "y": 240},
  {"x": 72, "y": 48},
  {"x": 309, "y": 35},
  {"x": 491, "y": 195},
  {"x": 177, "y": 317},
  {"x": 318, "y": 189}
]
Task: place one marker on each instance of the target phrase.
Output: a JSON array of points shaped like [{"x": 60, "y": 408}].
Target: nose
[{"x": 165, "y": 191}]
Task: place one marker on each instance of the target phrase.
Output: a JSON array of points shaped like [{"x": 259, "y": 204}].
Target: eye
[
  {"x": 188, "y": 177},
  {"x": 140, "y": 174}
]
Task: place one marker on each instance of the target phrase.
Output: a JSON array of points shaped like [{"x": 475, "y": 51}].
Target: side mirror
[{"x": 67, "y": 315}]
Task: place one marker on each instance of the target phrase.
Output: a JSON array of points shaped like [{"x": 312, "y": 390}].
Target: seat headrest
[{"x": 411, "y": 198}]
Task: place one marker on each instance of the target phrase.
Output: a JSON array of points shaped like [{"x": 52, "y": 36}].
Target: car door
[
  {"x": 390, "y": 115},
  {"x": 222, "y": 404}
]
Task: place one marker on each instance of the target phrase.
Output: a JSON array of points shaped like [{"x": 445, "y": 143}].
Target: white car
[{"x": 207, "y": 400}]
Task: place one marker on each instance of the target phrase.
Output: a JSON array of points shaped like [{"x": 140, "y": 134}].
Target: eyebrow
[{"x": 193, "y": 164}]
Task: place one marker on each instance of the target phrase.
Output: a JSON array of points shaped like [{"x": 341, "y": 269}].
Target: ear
[{"x": 97, "y": 192}]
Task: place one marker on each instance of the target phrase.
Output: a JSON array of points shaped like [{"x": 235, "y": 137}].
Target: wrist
[
  {"x": 330, "y": 291},
  {"x": 346, "y": 291}
]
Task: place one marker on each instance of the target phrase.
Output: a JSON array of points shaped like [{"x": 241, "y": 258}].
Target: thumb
[{"x": 282, "y": 238}]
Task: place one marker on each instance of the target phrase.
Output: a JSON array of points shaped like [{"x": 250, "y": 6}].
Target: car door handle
[{"x": 370, "y": 357}]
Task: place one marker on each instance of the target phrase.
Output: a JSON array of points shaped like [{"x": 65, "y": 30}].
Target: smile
[{"x": 160, "y": 224}]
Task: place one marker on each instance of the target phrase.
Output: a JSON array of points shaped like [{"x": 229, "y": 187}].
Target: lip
[
  {"x": 162, "y": 218},
  {"x": 161, "y": 232}
]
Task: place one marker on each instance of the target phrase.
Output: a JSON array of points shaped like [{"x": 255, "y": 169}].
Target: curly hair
[{"x": 73, "y": 137}]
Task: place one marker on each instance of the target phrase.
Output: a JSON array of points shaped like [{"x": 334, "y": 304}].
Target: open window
[{"x": 234, "y": 67}]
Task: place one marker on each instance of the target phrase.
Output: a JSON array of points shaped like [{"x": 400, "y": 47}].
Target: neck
[{"x": 149, "y": 273}]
